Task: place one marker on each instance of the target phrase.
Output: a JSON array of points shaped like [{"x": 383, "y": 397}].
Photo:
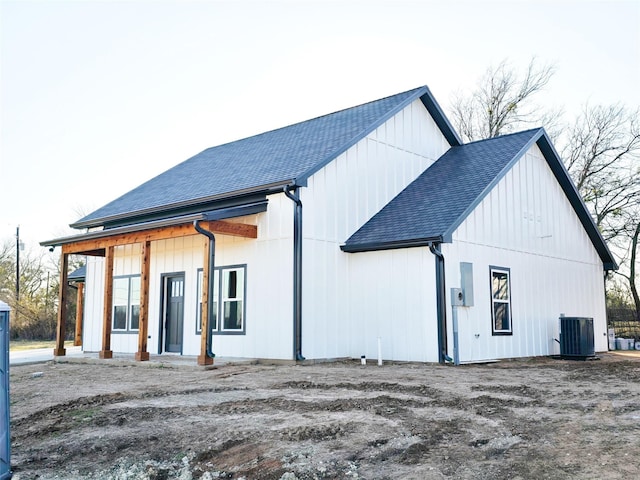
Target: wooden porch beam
[
  {"x": 59, "y": 350},
  {"x": 163, "y": 233},
  {"x": 79, "y": 314},
  {"x": 221, "y": 227},
  {"x": 143, "y": 328},
  {"x": 107, "y": 305},
  {"x": 204, "y": 358}
]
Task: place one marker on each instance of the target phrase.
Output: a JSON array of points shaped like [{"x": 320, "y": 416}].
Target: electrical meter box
[{"x": 457, "y": 298}]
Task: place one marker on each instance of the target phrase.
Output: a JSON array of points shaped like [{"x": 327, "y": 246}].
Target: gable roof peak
[{"x": 435, "y": 204}]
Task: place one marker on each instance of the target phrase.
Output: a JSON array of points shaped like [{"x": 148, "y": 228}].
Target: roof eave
[
  {"x": 262, "y": 189},
  {"x": 244, "y": 210},
  {"x": 375, "y": 246},
  {"x": 575, "y": 199},
  {"x": 436, "y": 112}
]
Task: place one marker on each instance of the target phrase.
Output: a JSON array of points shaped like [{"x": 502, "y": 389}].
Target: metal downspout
[
  {"x": 297, "y": 272},
  {"x": 441, "y": 306},
  {"x": 210, "y": 295}
]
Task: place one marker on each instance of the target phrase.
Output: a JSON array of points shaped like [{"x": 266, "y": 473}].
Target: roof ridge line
[
  {"x": 502, "y": 136},
  {"x": 311, "y": 119},
  {"x": 417, "y": 93}
]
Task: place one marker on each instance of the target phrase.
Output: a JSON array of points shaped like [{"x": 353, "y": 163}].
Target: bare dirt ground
[{"x": 526, "y": 419}]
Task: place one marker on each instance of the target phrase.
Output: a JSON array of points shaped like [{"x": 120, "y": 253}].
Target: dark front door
[{"x": 174, "y": 313}]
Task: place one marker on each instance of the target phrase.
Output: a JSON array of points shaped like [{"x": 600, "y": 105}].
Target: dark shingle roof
[
  {"x": 284, "y": 156},
  {"x": 436, "y": 203},
  {"x": 78, "y": 275}
]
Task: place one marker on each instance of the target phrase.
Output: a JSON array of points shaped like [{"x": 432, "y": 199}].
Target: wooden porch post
[
  {"x": 59, "y": 350},
  {"x": 108, "y": 304},
  {"x": 79, "y": 314},
  {"x": 204, "y": 358},
  {"x": 142, "y": 354}
]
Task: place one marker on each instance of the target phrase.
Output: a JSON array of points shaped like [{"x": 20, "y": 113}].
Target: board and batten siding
[
  {"x": 340, "y": 289},
  {"x": 268, "y": 260},
  {"x": 93, "y": 302},
  {"x": 393, "y": 298},
  {"x": 525, "y": 224}
]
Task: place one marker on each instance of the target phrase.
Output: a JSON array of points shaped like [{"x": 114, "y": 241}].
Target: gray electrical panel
[{"x": 466, "y": 283}]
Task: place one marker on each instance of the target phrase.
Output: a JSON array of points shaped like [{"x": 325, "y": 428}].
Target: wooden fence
[{"x": 625, "y": 321}]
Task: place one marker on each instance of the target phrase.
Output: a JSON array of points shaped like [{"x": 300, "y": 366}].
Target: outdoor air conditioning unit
[{"x": 576, "y": 338}]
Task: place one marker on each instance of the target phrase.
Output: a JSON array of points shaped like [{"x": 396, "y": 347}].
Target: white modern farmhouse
[{"x": 343, "y": 235}]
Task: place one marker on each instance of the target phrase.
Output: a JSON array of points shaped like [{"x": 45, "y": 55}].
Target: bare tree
[
  {"x": 34, "y": 314},
  {"x": 601, "y": 150},
  {"x": 602, "y": 154},
  {"x": 503, "y": 101}
]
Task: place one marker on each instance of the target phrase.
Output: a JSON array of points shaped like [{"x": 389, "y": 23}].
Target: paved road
[{"x": 39, "y": 355}]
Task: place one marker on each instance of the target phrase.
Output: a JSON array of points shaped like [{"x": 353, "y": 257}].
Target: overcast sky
[{"x": 97, "y": 97}]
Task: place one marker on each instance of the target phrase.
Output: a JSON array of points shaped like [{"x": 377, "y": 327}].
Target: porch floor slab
[{"x": 76, "y": 355}]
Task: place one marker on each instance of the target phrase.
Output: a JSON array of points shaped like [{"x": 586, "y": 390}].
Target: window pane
[
  {"x": 135, "y": 291},
  {"x": 121, "y": 291},
  {"x": 135, "y": 317},
  {"x": 233, "y": 315},
  {"x": 501, "y": 316},
  {"x": 213, "y": 322},
  {"x": 500, "y": 285},
  {"x": 199, "y": 304},
  {"x": 120, "y": 317},
  {"x": 230, "y": 287}
]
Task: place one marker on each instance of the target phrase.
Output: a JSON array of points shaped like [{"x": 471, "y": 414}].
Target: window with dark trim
[
  {"x": 501, "y": 301},
  {"x": 229, "y": 290},
  {"x": 126, "y": 304}
]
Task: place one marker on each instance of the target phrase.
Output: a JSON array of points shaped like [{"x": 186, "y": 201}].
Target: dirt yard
[{"x": 529, "y": 419}]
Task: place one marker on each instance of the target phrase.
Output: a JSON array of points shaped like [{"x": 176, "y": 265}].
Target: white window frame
[
  {"x": 221, "y": 298},
  {"x": 495, "y": 300},
  {"x": 130, "y": 304},
  {"x": 199, "y": 281}
]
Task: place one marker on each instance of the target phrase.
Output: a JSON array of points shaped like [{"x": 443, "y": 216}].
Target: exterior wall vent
[{"x": 576, "y": 338}]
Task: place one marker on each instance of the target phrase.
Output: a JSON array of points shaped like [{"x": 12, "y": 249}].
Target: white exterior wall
[
  {"x": 391, "y": 297},
  {"x": 93, "y": 303},
  {"x": 340, "y": 289},
  {"x": 525, "y": 224},
  {"x": 269, "y": 324}
]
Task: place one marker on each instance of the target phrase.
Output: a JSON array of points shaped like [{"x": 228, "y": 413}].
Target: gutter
[
  {"x": 441, "y": 307},
  {"x": 297, "y": 271},
  {"x": 373, "y": 246},
  {"x": 210, "y": 296},
  {"x": 218, "y": 214},
  {"x": 268, "y": 189}
]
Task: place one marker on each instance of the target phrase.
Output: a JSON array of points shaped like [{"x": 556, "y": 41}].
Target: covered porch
[{"x": 102, "y": 243}]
